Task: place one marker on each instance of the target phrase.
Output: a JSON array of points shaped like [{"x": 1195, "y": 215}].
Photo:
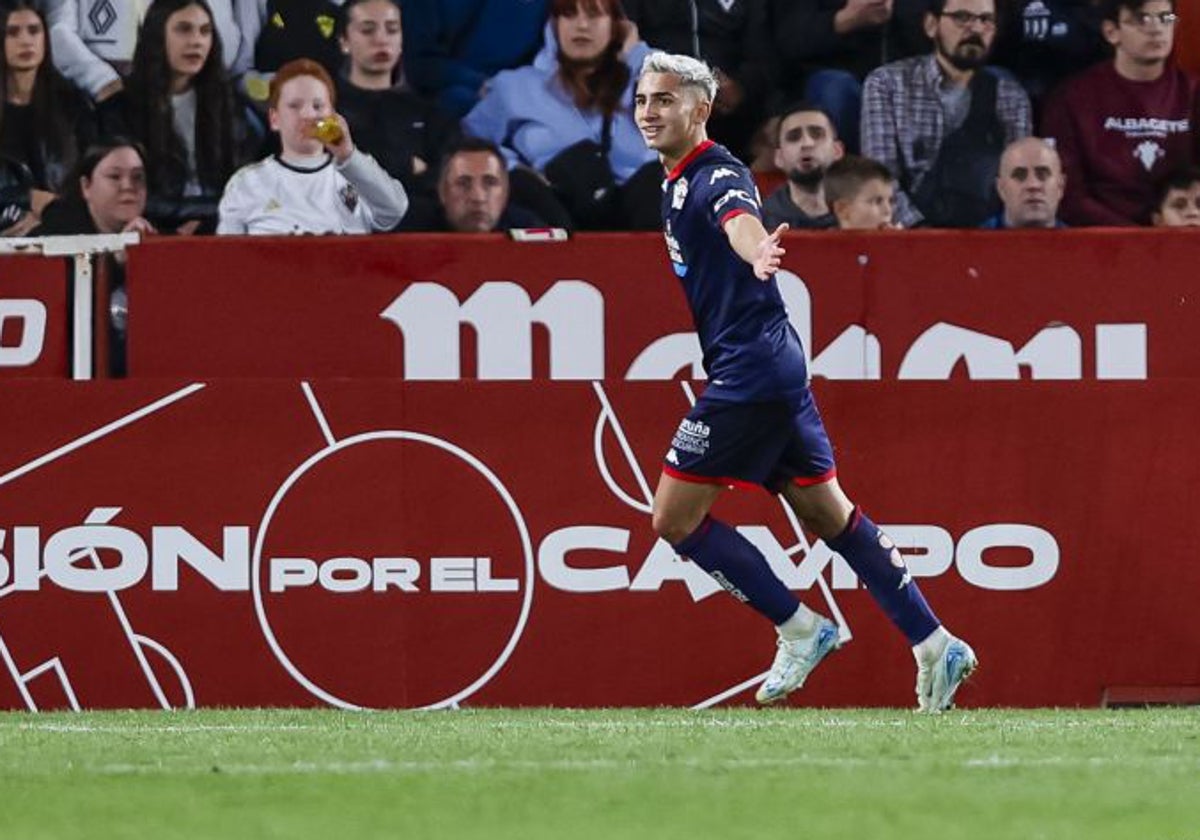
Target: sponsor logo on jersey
[
  {"x": 722, "y": 172},
  {"x": 734, "y": 195}
]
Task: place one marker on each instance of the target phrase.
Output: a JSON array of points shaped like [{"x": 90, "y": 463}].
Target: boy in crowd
[
  {"x": 861, "y": 194},
  {"x": 1177, "y": 202}
]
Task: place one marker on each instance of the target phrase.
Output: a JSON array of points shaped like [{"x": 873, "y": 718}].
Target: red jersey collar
[{"x": 691, "y": 156}]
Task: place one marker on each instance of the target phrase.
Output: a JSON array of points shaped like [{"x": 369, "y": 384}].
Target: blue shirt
[
  {"x": 997, "y": 223},
  {"x": 751, "y": 352},
  {"x": 532, "y": 117}
]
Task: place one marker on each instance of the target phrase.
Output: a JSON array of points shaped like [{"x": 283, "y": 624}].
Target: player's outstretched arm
[{"x": 753, "y": 244}]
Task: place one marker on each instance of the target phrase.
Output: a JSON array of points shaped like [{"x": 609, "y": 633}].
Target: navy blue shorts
[{"x": 767, "y": 444}]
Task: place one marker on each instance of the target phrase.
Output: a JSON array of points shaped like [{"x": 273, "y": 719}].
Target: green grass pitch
[{"x": 576, "y": 775}]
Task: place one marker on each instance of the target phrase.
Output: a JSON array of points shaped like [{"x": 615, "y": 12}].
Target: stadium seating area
[{"x": 188, "y": 88}]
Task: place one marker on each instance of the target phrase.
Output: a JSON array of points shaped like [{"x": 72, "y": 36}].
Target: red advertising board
[
  {"x": 387, "y": 544},
  {"x": 34, "y": 318},
  {"x": 1074, "y": 305}
]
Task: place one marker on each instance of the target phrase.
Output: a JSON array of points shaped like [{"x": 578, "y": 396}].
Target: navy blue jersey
[{"x": 751, "y": 352}]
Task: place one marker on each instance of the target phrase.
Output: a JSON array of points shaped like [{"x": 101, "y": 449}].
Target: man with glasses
[
  {"x": 1123, "y": 124},
  {"x": 940, "y": 122}
]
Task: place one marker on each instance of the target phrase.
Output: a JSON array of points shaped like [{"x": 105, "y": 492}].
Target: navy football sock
[
  {"x": 737, "y": 565},
  {"x": 874, "y": 558}
]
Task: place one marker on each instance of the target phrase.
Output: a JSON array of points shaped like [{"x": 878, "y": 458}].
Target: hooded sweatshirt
[{"x": 531, "y": 116}]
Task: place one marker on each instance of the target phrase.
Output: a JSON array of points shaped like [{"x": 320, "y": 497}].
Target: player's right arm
[{"x": 750, "y": 241}]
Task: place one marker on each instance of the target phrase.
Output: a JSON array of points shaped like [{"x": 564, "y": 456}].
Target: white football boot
[
  {"x": 795, "y": 660},
  {"x": 940, "y": 677}
]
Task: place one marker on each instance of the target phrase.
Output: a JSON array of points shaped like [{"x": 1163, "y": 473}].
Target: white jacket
[
  {"x": 273, "y": 197},
  {"x": 86, "y": 35}
]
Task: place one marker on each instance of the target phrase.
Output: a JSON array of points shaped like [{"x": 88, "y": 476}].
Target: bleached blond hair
[{"x": 692, "y": 72}]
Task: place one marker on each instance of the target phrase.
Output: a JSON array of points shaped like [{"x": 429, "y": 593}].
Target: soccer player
[{"x": 756, "y": 422}]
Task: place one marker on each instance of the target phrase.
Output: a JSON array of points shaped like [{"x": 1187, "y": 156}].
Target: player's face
[
  {"x": 1145, "y": 36},
  {"x": 807, "y": 146},
  {"x": 302, "y": 101},
  {"x": 584, "y": 31},
  {"x": 116, "y": 191},
  {"x": 1031, "y": 185},
  {"x": 189, "y": 40},
  {"x": 963, "y": 33},
  {"x": 373, "y": 38},
  {"x": 24, "y": 41},
  {"x": 668, "y": 114},
  {"x": 1181, "y": 208},
  {"x": 474, "y": 191},
  {"x": 870, "y": 209}
]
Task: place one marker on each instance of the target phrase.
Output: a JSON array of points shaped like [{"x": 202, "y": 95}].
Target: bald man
[{"x": 1031, "y": 184}]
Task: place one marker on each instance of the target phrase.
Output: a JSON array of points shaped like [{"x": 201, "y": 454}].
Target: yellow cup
[{"x": 327, "y": 130}]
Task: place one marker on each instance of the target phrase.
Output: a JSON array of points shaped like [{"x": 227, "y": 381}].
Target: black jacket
[
  {"x": 1045, "y": 41},
  {"x": 394, "y": 126},
  {"x": 28, "y": 160},
  {"x": 734, "y": 35},
  {"x": 805, "y": 39}
]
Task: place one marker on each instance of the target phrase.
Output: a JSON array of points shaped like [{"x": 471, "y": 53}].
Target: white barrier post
[{"x": 81, "y": 250}]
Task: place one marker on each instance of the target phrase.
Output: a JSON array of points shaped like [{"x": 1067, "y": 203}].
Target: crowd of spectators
[{"x": 352, "y": 116}]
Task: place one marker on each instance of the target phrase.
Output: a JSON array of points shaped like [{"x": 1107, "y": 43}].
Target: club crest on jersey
[
  {"x": 721, "y": 172},
  {"x": 680, "y": 194},
  {"x": 349, "y": 197}
]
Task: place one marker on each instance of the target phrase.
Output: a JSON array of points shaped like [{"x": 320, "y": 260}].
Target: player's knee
[{"x": 673, "y": 527}]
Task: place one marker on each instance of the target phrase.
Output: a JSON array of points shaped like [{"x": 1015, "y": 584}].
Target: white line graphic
[
  {"x": 318, "y": 413},
  {"x": 103, "y": 431},
  {"x": 257, "y": 561},
  {"x": 136, "y": 641},
  {"x": 11, "y": 664},
  {"x": 730, "y": 692},
  {"x": 608, "y": 415},
  {"x": 56, "y": 666},
  {"x": 189, "y": 701}
]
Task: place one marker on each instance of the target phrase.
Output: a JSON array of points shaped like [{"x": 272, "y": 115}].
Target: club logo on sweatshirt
[{"x": 1149, "y": 153}]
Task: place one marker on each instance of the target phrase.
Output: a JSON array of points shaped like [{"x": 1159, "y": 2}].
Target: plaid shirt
[{"x": 903, "y": 124}]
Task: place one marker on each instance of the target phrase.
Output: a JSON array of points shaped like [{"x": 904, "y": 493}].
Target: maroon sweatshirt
[{"x": 1118, "y": 138}]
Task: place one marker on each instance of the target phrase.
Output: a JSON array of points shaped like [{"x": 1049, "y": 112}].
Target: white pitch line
[
  {"x": 103, "y": 431},
  {"x": 384, "y": 765},
  {"x": 139, "y": 729},
  {"x": 318, "y": 413}
]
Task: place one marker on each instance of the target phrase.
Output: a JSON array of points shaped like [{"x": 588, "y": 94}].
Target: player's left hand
[{"x": 769, "y": 254}]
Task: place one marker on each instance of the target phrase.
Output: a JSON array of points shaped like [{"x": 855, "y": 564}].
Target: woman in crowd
[
  {"x": 105, "y": 193},
  {"x": 319, "y": 182},
  {"x": 183, "y": 108},
  {"x": 44, "y": 121},
  {"x": 405, "y": 133},
  {"x": 568, "y": 118}
]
